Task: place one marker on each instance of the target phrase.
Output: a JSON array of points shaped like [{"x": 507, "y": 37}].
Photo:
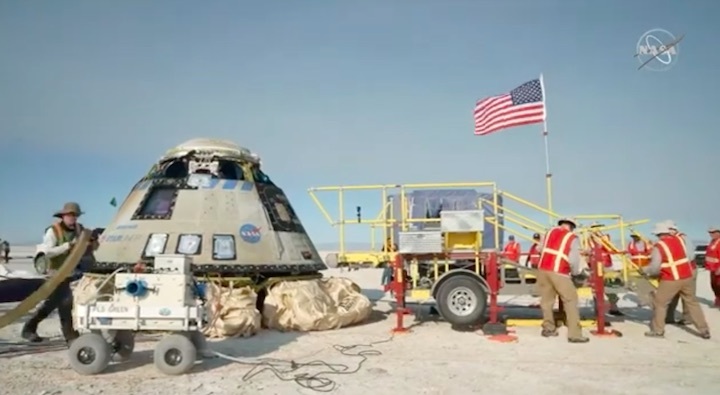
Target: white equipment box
[
  {"x": 164, "y": 300},
  {"x": 160, "y": 301}
]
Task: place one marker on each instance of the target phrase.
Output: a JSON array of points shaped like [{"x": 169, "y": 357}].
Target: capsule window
[
  {"x": 158, "y": 203},
  {"x": 189, "y": 244},
  {"x": 224, "y": 247},
  {"x": 155, "y": 245},
  {"x": 282, "y": 211}
]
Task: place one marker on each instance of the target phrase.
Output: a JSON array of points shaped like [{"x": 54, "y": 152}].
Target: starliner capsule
[{"x": 209, "y": 199}]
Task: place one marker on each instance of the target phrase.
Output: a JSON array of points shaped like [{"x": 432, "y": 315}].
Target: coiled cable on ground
[{"x": 288, "y": 370}]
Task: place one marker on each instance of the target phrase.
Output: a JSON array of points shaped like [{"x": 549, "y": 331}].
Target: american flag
[{"x": 524, "y": 105}]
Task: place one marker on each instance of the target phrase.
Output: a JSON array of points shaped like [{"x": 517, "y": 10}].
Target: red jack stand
[
  {"x": 494, "y": 329},
  {"x": 598, "y": 284},
  {"x": 398, "y": 287}
]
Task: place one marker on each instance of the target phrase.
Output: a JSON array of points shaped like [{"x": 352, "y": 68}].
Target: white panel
[
  {"x": 462, "y": 221},
  {"x": 428, "y": 242}
]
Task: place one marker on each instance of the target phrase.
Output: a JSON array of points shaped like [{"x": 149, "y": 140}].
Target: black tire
[
  {"x": 175, "y": 354},
  {"x": 462, "y": 300},
  {"x": 89, "y": 354},
  {"x": 123, "y": 345}
]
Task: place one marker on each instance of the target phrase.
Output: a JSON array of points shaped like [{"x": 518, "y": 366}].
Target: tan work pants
[
  {"x": 672, "y": 307},
  {"x": 551, "y": 285},
  {"x": 665, "y": 292}
]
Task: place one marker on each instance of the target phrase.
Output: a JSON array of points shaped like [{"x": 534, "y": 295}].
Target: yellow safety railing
[{"x": 512, "y": 216}]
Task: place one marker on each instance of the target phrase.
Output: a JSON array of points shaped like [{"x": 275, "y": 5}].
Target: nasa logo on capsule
[
  {"x": 250, "y": 233},
  {"x": 657, "y": 50}
]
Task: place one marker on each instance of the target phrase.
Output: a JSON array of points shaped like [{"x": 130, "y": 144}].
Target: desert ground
[{"x": 430, "y": 359}]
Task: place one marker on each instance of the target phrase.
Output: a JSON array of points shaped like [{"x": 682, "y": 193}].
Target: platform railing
[{"x": 500, "y": 216}]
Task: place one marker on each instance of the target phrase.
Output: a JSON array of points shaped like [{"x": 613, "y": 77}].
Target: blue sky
[{"x": 341, "y": 92}]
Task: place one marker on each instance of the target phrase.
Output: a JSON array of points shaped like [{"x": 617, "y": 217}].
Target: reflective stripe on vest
[
  {"x": 681, "y": 237},
  {"x": 672, "y": 263},
  {"x": 559, "y": 253},
  {"x": 712, "y": 255}
]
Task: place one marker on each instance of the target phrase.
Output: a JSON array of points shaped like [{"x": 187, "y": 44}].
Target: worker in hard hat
[
  {"x": 559, "y": 260},
  {"x": 670, "y": 262},
  {"x": 712, "y": 262},
  {"x": 512, "y": 250},
  {"x": 639, "y": 251},
  {"x": 670, "y": 318},
  {"x": 601, "y": 241},
  {"x": 534, "y": 253}
]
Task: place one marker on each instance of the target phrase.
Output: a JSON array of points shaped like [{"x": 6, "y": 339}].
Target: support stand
[
  {"x": 597, "y": 279},
  {"x": 397, "y": 286},
  {"x": 494, "y": 329}
]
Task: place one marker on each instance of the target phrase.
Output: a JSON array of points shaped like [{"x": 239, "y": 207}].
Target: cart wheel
[
  {"x": 89, "y": 354},
  {"x": 461, "y": 300},
  {"x": 175, "y": 354},
  {"x": 123, "y": 345}
]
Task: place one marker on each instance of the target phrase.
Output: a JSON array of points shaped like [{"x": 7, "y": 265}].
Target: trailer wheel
[
  {"x": 461, "y": 300},
  {"x": 175, "y": 354},
  {"x": 89, "y": 354},
  {"x": 123, "y": 345}
]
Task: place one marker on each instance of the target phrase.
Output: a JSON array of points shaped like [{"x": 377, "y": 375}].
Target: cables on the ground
[{"x": 289, "y": 370}]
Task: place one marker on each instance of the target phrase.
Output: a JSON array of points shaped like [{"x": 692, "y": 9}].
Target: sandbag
[
  {"x": 315, "y": 305},
  {"x": 231, "y": 312}
]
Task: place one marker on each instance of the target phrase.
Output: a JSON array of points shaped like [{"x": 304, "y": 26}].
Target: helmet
[{"x": 536, "y": 236}]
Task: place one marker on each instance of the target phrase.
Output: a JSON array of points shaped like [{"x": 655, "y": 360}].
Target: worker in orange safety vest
[
  {"x": 534, "y": 253},
  {"x": 670, "y": 261},
  {"x": 639, "y": 251},
  {"x": 512, "y": 250},
  {"x": 597, "y": 237},
  {"x": 559, "y": 260},
  {"x": 670, "y": 318},
  {"x": 712, "y": 262}
]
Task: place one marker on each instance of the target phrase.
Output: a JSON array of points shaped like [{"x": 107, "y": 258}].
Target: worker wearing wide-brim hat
[
  {"x": 712, "y": 262},
  {"x": 690, "y": 251},
  {"x": 559, "y": 260},
  {"x": 669, "y": 262},
  {"x": 59, "y": 239}
]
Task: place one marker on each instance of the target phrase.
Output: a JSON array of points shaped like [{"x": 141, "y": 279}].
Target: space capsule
[{"x": 209, "y": 199}]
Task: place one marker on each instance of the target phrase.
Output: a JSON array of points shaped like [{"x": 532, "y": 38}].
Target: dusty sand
[{"x": 431, "y": 359}]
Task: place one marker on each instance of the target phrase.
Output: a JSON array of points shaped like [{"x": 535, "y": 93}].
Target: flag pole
[{"x": 548, "y": 174}]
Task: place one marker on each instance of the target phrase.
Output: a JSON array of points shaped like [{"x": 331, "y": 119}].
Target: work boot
[
  {"x": 654, "y": 334},
  {"x": 70, "y": 336},
  {"x": 616, "y": 312},
  {"x": 549, "y": 333},
  {"x": 581, "y": 339},
  {"x": 29, "y": 331},
  {"x": 705, "y": 335}
]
